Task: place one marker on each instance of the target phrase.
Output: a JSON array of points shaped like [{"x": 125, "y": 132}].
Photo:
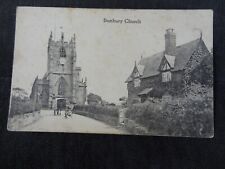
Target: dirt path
[{"x": 77, "y": 123}]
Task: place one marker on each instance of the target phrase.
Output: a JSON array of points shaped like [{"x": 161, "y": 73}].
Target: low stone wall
[{"x": 19, "y": 121}]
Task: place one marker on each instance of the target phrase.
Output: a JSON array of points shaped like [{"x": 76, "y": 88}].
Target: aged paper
[{"x": 113, "y": 71}]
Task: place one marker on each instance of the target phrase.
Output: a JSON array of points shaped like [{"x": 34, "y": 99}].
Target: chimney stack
[{"x": 170, "y": 42}]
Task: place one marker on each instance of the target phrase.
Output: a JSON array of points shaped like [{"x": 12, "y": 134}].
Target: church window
[
  {"x": 166, "y": 76},
  {"x": 62, "y": 86},
  {"x": 62, "y": 52},
  {"x": 137, "y": 82},
  {"x": 62, "y": 56}
]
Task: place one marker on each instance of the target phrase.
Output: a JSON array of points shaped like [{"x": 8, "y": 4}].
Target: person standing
[{"x": 55, "y": 107}]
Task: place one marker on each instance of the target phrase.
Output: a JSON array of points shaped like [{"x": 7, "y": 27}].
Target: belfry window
[
  {"x": 62, "y": 56},
  {"x": 62, "y": 52}
]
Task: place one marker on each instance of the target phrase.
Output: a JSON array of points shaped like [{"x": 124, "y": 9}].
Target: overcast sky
[{"x": 105, "y": 51}]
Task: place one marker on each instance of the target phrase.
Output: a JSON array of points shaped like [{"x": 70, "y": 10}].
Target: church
[
  {"x": 61, "y": 83},
  {"x": 169, "y": 72}
]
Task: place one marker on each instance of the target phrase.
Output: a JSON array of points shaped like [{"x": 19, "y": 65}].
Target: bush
[
  {"x": 22, "y": 106},
  {"x": 187, "y": 116},
  {"x": 195, "y": 118},
  {"x": 148, "y": 115}
]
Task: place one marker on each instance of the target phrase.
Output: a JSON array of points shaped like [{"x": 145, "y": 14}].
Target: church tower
[
  {"x": 61, "y": 83},
  {"x": 62, "y": 73}
]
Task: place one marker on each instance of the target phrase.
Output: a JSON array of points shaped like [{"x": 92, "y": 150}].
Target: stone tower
[{"x": 63, "y": 75}]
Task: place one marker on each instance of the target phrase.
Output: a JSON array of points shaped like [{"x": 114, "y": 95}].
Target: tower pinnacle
[
  {"x": 62, "y": 36},
  {"x": 50, "y": 35}
]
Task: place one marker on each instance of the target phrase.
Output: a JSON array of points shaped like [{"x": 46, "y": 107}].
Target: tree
[
  {"x": 204, "y": 72},
  {"x": 93, "y": 99}
]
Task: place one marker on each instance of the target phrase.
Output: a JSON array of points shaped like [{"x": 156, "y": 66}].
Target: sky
[{"x": 106, "y": 52}]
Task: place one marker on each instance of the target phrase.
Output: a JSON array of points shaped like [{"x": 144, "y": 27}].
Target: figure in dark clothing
[
  {"x": 68, "y": 111},
  {"x": 55, "y": 108}
]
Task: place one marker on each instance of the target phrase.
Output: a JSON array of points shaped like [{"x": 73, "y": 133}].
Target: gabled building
[{"x": 166, "y": 72}]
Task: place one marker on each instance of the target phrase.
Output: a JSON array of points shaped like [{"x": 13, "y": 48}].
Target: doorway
[{"x": 61, "y": 104}]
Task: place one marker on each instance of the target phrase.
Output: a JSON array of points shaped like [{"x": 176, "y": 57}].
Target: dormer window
[
  {"x": 166, "y": 66},
  {"x": 137, "y": 82},
  {"x": 136, "y": 74},
  {"x": 166, "y": 73},
  {"x": 166, "y": 76}
]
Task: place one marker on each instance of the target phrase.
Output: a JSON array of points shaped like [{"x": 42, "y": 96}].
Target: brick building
[
  {"x": 168, "y": 72},
  {"x": 61, "y": 83}
]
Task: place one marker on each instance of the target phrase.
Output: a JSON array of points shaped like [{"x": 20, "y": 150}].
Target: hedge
[
  {"x": 107, "y": 114},
  {"x": 22, "y": 106},
  {"x": 177, "y": 117}
]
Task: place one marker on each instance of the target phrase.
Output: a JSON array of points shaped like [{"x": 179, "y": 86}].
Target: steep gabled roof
[
  {"x": 140, "y": 69},
  {"x": 182, "y": 56},
  {"x": 184, "y": 52},
  {"x": 151, "y": 64},
  {"x": 171, "y": 60},
  {"x": 46, "y": 75},
  {"x": 137, "y": 68}
]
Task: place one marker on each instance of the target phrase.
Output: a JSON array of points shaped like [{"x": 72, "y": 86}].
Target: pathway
[{"x": 75, "y": 124}]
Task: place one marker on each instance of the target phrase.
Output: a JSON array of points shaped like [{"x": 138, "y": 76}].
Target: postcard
[{"x": 113, "y": 71}]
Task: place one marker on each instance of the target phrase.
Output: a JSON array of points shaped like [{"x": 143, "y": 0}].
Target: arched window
[
  {"x": 62, "y": 59},
  {"x": 62, "y": 52},
  {"x": 62, "y": 86}
]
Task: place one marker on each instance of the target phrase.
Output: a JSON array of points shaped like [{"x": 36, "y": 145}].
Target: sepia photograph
[{"x": 113, "y": 71}]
